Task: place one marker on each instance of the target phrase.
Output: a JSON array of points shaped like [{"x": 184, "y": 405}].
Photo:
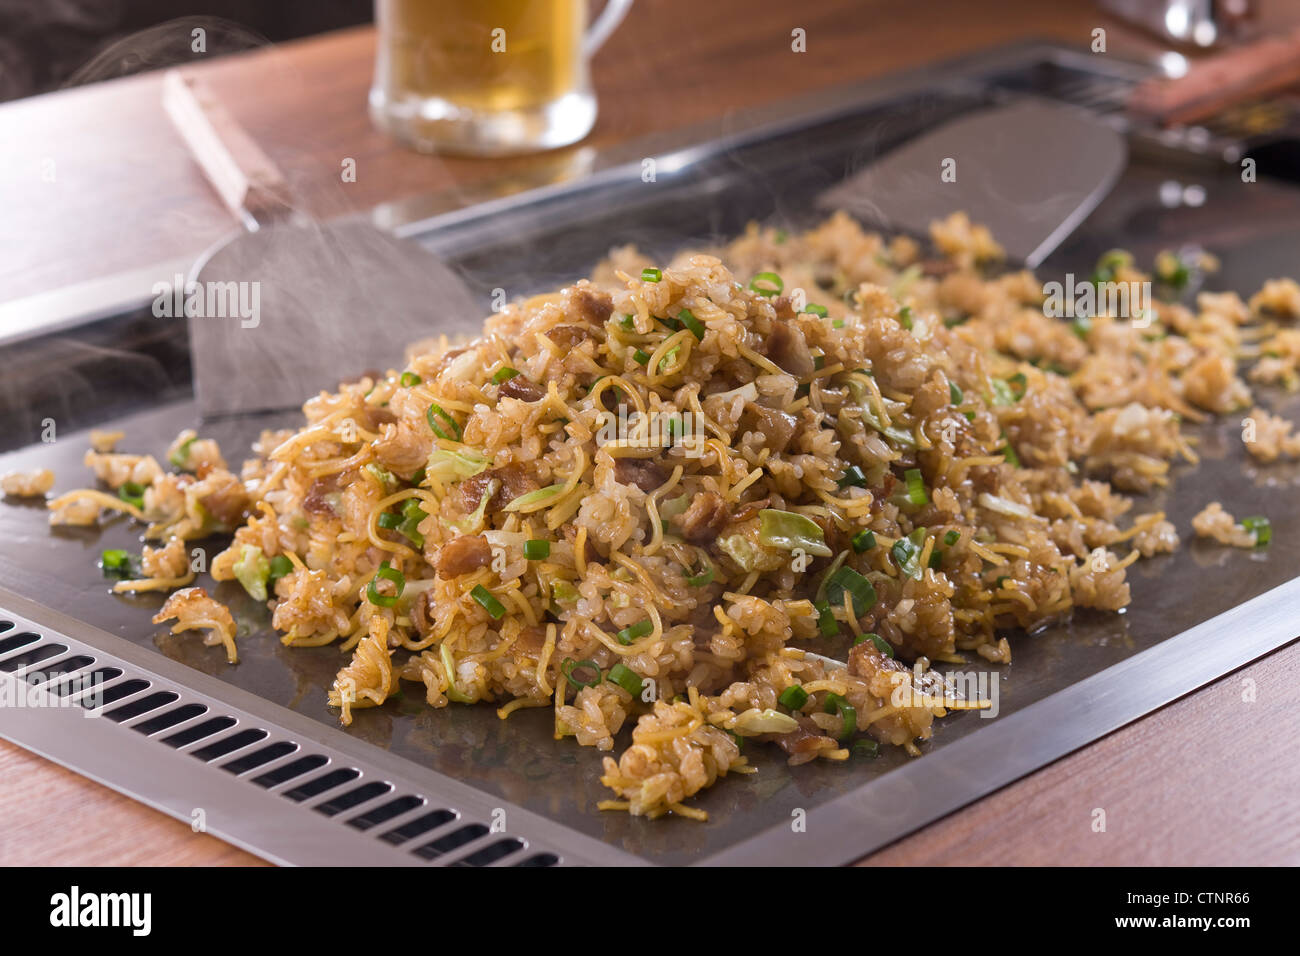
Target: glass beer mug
[{"x": 487, "y": 77}]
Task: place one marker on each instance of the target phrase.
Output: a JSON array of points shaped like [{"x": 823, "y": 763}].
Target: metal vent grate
[{"x": 342, "y": 792}]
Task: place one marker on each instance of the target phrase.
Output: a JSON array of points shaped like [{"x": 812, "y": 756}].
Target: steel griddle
[{"x": 256, "y": 748}]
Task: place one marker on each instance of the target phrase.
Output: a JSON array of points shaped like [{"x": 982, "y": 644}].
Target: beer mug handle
[{"x": 605, "y": 24}]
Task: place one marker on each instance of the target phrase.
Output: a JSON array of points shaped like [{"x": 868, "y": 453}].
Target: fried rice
[{"x": 645, "y": 499}]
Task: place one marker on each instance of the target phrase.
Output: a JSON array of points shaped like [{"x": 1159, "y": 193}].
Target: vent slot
[
  {"x": 68, "y": 665},
  {"x": 34, "y": 656},
  {"x": 16, "y": 641},
  {"x": 353, "y": 798},
  {"x": 144, "y": 705},
  {"x": 418, "y": 826},
  {"x": 323, "y": 784},
  {"x": 541, "y": 859},
  {"x": 492, "y": 852},
  {"x": 170, "y": 719},
  {"x": 385, "y": 812},
  {"x": 95, "y": 679},
  {"x": 5, "y": 626},
  {"x": 303, "y": 765},
  {"x": 199, "y": 731},
  {"x": 115, "y": 693},
  {"x": 230, "y": 744},
  {"x": 257, "y": 758},
  {"x": 453, "y": 840}
]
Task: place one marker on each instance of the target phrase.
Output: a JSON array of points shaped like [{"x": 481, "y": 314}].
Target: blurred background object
[
  {"x": 1201, "y": 23},
  {"x": 49, "y": 44},
  {"x": 487, "y": 78}
]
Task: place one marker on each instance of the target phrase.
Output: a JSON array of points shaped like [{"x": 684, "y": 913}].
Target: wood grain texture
[{"x": 1208, "y": 779}]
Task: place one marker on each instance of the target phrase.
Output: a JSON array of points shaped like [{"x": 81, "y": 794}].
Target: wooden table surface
[{"x": 1210, "y": 779}]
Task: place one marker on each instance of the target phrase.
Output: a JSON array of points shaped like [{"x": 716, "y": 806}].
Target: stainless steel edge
[
  {"x": 252, "y": 818},
  {"x": 906, "y": 799}
]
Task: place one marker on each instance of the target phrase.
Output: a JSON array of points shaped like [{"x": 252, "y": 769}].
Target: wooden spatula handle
[
  {"x": 245, "y": 178},
  {"x": 1226, "y": 79}
]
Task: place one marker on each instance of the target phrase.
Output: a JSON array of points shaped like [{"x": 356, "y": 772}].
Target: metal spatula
[
  {"x": 300, "y": 305},
  {"x": 1030, "y": 171}
]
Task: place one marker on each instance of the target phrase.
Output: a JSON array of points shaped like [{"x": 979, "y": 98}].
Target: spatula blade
[
  {"x": 332, "y": 302},
  {"x": 1031, "y": 171}
]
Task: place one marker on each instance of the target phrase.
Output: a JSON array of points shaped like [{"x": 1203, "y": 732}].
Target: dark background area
[{"x": 49, "y": 44}]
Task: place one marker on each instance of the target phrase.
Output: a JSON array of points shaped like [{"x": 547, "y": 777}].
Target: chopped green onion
[
  {"x": 790, "y": 530},
  {"x": 848, "y": 714},
  {"x": 570, "y": 665},
  {"x": 816, "y": 310},
  {"x": 793, "y": 697},
  {"x": 488, "y": 601},
  {"x": 115, "y": 563},
  {"x": 252, "y": 570},
  {"x": 410, "y": 379},
  {"x": 447, "y": 465},
  {"x": 504, "y": 374},
  {"x": 534, "y": 497},
  {"x": 381, "y": 473},
  {"x": 853, "y": 475},
  {"x": 631, "y": 634},
  {"x": 915, "y": 487},
  {"x": 907, "y": 551},
  {"x": 882, "y": 645},
  {"x": 435, "y": 412},
  {"x": 651, "y": 274},
  {"x": 389, "y": 521},
  {"x": 623, "y": 676},
  {"x": 688, "y": 319},
  {"x": 955, "y": 393},
  {"x": 845, "y": 579},
  {"x": 767, "y": 284},
  {"x": 1109, "y": 265},
  {"x": 1009, "y": 453},
  {"x": 641, "y": 356},
  {"x": 627, "y": 323},
  {"x": 562, "y": 592},
  {"x": 1260, "y": 527},
  {"x": 388, "y": 574},
  {"x": 537, "y": 549},
  {"x": 936, "y": 559},
  {"x": 826, "y": 622},
  {"x": 1002, "y": 393},
  {"x": 866, "y": 747},
  {"x": 952, "y": 537},
  {"x": 819, "y": 362},
  {"x": 132, "y": 492},
  {"x": 181, "y": 456},
  {"x": 1081, "y": 326},
  {"x": 703, "y": 579},
  {"x": 864, "y": 540},
  {"x": 837, "y": 324},
  {"x": 417, "y": 479},
  {"x": 280, "y": 566},
  {"x": 1018, "y": 384},
  {"x": 669, "y": 358},
  {"x": 905, "y": 317}
]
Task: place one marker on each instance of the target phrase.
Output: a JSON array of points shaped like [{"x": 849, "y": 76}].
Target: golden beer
[{"x": 486, "y": 76}]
